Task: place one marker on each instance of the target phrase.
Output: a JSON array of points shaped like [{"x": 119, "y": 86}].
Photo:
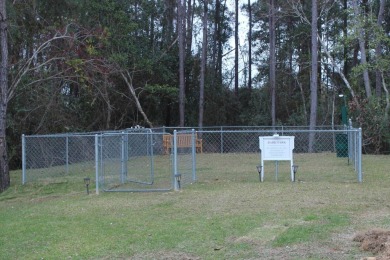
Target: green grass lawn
[{"x": 227, "y": 214}]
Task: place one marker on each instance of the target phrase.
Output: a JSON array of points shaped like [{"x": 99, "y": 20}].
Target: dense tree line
[{"x": 86, "y": 65}]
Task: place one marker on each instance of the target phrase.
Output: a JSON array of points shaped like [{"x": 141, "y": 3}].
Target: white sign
[{"x": 276, "y": 148}]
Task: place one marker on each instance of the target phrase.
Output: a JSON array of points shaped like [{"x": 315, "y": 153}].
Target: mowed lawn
[{"x": 227, "y": 214}]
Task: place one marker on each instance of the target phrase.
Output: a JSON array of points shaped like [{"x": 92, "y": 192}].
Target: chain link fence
[
  {"x": 232, "y": 153},
  {"x": 334, "y": 155},
  {"x": 131, "y": 160},
  {"x": 57, "y": 158},
  {"x": 165, "y": 159}
]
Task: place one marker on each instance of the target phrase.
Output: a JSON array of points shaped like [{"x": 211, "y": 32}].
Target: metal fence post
[
  {"x": 221, "y": 139},
  {"x": 67, "y": 154},
  {"x": 356, "y": 151},
  {"x": 97, "y": 162},
  {"x": 123, "y": 159},
  {"x": 359, "y": 148},
  {"x": 150, "y": 136},
  {"x": 193, "y": 152},
  {"x": 23, "y": 159},
  {"x": 349, "y": 140},
  {"x": 175, "y": 172}
]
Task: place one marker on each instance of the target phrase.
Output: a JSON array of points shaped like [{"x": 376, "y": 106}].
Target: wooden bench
[{"x": 183, "y": 141}]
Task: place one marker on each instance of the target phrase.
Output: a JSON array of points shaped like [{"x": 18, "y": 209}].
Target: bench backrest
[{"x": 183, "y": 140}]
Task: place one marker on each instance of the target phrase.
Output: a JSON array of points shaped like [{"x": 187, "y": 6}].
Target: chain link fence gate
[
  {"x": 184, "y": 157},
  {"x": 134, "y": 161}
]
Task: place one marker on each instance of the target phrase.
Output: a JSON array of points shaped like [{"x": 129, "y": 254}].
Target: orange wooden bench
[{"x": 183, "y": 141}]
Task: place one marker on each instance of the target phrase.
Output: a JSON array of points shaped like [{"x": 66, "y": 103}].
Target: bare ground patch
[
  {"x": 340, "y": 246},
  {"x": 376, "y": 241},
  {"x": 165, "y": 255},
  {"x": 160, "y": 255}
]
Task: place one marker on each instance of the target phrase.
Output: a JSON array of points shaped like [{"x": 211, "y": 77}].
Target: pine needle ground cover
[{"x": 218, "y": 217}]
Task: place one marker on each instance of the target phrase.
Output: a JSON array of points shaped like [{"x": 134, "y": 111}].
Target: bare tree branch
[
  {"x": 128, "y": 79},
  {"x": 28, "y": 66},
  {"x": 386, "y": 116}
]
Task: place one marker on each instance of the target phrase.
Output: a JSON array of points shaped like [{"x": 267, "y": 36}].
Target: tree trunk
[
  {"x": 345, "y": 34},
  {"x": 190, "y": 22},
  {"x": 152, "y": 21},
  {"x": 314, "y": 75},
  {"x": 4, "y": 170},
  {"x": 362, "y": 45},
  {"x": 215, "y": 37},
  {"x": 236, "y": 51},
  {"x": 203, "y": 65},
  {"x": 378, "y": 50},
  {"x": 272, "y": 62},
  {"x": 168, "y": 25},
  {"x": 181, "y": 35},
  {"x": 218, "y": 40},
  {"x": 250, "y": 46}
]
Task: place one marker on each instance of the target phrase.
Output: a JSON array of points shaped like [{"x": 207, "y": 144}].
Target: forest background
[{"x": 88, "y": 65}]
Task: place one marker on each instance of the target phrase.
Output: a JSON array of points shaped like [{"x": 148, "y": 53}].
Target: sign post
[{"x": 276, "y": 148}]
